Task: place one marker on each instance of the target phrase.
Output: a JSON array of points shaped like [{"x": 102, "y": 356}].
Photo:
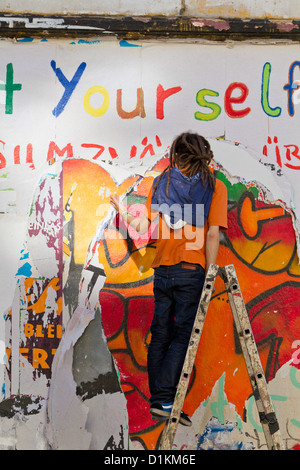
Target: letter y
[{"x": 69, "y": 86}]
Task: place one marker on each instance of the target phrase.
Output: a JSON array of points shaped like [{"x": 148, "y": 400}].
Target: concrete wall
[
  {"x": 202, "y": 8},
  {"x": 86, "y": 117}
]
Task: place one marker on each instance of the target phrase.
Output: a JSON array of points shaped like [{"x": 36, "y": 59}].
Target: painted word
[
  {"x": 212, "y": 111},
  {"x": 43, "y": 225},
  {"x": 139, "y": 110},
  {"x": 94, "y": 151},
  {"x": 235, "y": 96},
  {"x": 288, "y": 157},
  {"x": 39, "y": 356},
  {"x": 51, "y": 331},
  {"x": 16, "y": 155}
]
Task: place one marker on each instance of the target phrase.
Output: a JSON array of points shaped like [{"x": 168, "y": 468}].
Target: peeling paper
[
  {"x": 67, "y": 416},
  {"x": 74, "y": 424},
  {"x": 214, "y": 428},
  {"x": 240, "y": 165},
  {"x": 219, "y": 25},
  {"x": 66, "y": 410}
]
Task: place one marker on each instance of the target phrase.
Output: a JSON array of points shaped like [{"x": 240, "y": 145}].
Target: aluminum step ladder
[{"x": 263, "y": 401}]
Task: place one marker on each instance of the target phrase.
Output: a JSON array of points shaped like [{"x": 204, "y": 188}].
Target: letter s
[{"x": 216, "y": 109}]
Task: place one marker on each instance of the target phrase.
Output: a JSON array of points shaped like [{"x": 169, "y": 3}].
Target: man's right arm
[{"x": 140, "y": 224}]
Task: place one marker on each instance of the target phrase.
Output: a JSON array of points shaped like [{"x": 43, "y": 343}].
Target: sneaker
[
  {"x": 185, "y": 419},
  {"x": 161, "y": 412}
]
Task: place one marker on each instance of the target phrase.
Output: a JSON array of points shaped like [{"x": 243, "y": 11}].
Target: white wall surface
[
  {"x": 108, "y": 7},
  {"x": 203, "y": 8},
  {"x": 67, "y": 92}
]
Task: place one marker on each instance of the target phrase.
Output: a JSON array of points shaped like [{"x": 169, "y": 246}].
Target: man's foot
[
  {"x": 162, "y": 411},
  {"x": 185, "y": 419}
]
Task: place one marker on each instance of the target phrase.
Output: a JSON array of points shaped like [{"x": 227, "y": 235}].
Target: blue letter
[
  {"x": 69, "y": 86},
  {"x": 290, "y": 87}
]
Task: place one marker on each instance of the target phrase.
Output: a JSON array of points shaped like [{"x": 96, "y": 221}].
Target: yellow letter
[{"x": 96, "y": 112}]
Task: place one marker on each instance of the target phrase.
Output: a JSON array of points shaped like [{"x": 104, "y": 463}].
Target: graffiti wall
[{"x": 82, "y": 120}]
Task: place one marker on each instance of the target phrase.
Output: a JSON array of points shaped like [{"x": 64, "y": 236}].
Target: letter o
[{"x": 96, "y": 112}]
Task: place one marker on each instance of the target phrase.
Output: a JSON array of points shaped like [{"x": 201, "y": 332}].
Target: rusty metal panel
[{"x": 147, "y": 27}]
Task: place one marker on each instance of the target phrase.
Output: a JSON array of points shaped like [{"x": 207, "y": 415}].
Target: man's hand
[{"x": 117, "y": 204}]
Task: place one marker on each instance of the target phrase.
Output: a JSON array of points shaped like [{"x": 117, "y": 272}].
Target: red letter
[
  {"x": 295, "y": 153},
  {"x": 29, "y": 154},
  {"x": 96, "y": 146},
  {"x": 112, "y": 152},
  {"x": 2, "y": 158},
  {"x": 53, "y": 148},
  {"x": 17, "y": 155},
  {"x": 161, "y": 96},
  {"x": 228, "y": 100}
]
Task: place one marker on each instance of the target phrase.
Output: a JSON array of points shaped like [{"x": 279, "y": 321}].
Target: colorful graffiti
[
  {"x": 81, "y": 233},
  {"x": 260, "y": 242}
]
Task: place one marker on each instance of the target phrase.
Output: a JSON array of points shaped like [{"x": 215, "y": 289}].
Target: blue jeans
[{"x": 177, "y": 292}]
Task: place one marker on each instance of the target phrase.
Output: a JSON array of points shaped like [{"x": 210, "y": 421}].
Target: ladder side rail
[
  {"x": 250, "y": 369},
  {"x": 170, "y": 428},
  {"x": 272, "y": 429}
]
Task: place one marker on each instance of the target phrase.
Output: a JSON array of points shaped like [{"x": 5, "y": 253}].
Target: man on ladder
[
  {"x": 185, "y": 272},
  {"x": 190, "y": 207}
]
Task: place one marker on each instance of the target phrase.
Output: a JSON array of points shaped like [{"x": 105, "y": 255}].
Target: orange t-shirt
[{"x": 187, "y": 243}]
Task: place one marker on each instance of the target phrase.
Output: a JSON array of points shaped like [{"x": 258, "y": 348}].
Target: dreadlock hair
[{"x": 191, "y": 153}]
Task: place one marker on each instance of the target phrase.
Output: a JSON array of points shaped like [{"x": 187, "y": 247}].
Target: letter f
[{"x": 290, "y": 87}]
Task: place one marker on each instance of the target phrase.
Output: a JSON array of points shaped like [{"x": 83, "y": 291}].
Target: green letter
[
  {"x": 10, "y": 87},
  {"x": 216, "y": 109},
  {"x": 265, "y": 92}
]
